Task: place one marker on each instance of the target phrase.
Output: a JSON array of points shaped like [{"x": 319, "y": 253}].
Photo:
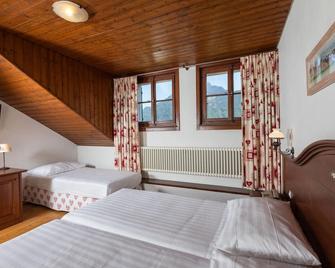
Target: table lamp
[{"x": 5, "y": 148}]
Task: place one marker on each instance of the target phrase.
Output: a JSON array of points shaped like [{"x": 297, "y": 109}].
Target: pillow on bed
[
  {"x": 265, "y": 228},
  {"x": 54, "y": 168}
]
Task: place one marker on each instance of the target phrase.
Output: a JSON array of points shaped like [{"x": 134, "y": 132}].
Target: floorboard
[{"x": 33, "y": 216}]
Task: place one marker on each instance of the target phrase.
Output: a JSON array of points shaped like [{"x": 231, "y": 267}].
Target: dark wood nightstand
[{"x": 10, "y": 197}]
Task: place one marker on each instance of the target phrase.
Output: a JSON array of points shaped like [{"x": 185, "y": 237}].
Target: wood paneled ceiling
[{"x": 131, "y": 37}]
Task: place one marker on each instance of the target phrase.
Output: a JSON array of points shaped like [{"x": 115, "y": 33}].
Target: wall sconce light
[{"x": 276, "y": 136}]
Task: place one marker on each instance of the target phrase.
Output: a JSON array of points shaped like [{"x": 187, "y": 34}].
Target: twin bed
[
  {"x": 67, "y": 186},
  {"x": 133, "y": 228}
]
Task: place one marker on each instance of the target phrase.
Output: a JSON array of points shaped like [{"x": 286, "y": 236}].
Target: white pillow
[
  {"x": 54, "y": 168},
  {"x": 265, "y": 228}
]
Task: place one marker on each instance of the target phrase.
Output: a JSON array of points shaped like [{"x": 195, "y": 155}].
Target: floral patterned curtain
[
  {"x": 126, "y": 131},
  {"x": 260, "y": 104}
]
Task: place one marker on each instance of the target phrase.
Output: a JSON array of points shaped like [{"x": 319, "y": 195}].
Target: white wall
[
  {"x": 33, "y": 144},
  {"x": 100, "y": 157},
  {"x": 311, "y": 117}
]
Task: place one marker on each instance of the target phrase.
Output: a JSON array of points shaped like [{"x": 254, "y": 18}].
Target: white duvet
[
  {"x": 67, "y": 245},
  {"x": 222, "y": 260},
  {"x": 180, "y": 223},
  {"x": 88, "y": 182}
]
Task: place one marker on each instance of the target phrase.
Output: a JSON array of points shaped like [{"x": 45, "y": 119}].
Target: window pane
[
  {"x": 217, "y": 107},
  {"x": 237, "y": 81},
  {"x": 144, "y": 112},
  {"x": 144, "y": 92},
  {"x": 237, "y": 105},
  {"x": 164, "y": 90},
  {"x": 217, "y": 83},
  {"x": 164, "y": 111}
]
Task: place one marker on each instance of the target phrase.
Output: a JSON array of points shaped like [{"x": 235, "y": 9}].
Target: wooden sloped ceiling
[
  {"x": 120, "y": 38},
  {"x": 71, "y": 98},
  {"x": 132, "y": 37}
]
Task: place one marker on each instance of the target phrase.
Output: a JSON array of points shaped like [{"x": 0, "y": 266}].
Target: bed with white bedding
[
  {"x": 254, "y": 231},
  {"x": 185, "y": 224},
  {"x": 162, "y": 230},
  {"x": 68, "y": 186},
  {"x": 63, "y": 244}
]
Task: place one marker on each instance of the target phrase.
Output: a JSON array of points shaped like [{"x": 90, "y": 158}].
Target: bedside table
[{"x": 10, "y": 197}]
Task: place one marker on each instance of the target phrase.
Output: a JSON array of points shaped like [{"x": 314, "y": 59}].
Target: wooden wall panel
[
  {"x": 27, "y": 96},
  {"x": 69, "y": 87}
]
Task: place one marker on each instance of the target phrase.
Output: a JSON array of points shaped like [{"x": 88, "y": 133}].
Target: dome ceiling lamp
[{"x": 70, "y": 11}]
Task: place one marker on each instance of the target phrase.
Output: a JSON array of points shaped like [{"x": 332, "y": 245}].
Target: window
[
  {"x": 158, "y": 101},
  {"x": 219, "y": 96}
]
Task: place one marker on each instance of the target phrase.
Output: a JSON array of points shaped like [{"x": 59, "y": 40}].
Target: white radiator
[{"x": 217, "y": 162}]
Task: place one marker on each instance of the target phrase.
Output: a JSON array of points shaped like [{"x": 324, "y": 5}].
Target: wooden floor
[{"x": 33, "y": 216}]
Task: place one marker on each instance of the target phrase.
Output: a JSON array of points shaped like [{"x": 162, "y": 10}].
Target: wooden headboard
[{"x": 311, "y": 179}]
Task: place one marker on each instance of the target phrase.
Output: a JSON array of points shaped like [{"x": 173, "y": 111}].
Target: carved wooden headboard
[{"x": 311, "y": 179}]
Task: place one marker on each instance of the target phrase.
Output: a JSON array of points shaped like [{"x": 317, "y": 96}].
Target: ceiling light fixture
[{"x": 70, "y": 11}]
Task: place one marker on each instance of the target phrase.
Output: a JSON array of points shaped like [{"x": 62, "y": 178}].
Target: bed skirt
[{"x": 56, "y": 201}]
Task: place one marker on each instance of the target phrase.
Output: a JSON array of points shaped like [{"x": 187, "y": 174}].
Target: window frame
[
  {"x": 152, "y": 78},
  {"x": 204, "y": 123}
]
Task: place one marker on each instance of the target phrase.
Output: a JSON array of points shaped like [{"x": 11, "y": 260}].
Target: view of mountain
[
  {"x": 216, "y": 106},
  {"x": 213, "y": 89}
]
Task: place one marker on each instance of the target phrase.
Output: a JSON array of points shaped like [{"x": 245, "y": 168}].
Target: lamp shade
[
  {"x": 276, "y": 134},
  {"x": 5, "y": 148},
  {"x": 70, "y": 11}
]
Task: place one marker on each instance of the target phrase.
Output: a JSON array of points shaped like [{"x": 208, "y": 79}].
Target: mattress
[
  {"x": 63, "y": 244},
  {"x": 179, "y": 223},
  {"x": 87, "y": 182}
]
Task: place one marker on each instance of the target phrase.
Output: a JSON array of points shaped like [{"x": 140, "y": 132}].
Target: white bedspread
[
  {"x": 222, "y": 260},
  {"x": 89, "y": 182},
  {"x": 180, "y": 223},
  {"x": 67, "y": 245}
]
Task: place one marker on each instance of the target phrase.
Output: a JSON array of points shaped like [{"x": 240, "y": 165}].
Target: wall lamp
[{"x": 276, "y": 136}]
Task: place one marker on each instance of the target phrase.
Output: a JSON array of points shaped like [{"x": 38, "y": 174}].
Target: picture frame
[{"x": 320, "y": 63}]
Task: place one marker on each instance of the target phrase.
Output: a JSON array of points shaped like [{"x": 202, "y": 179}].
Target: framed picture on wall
[{"x": 320, "y": 63}]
